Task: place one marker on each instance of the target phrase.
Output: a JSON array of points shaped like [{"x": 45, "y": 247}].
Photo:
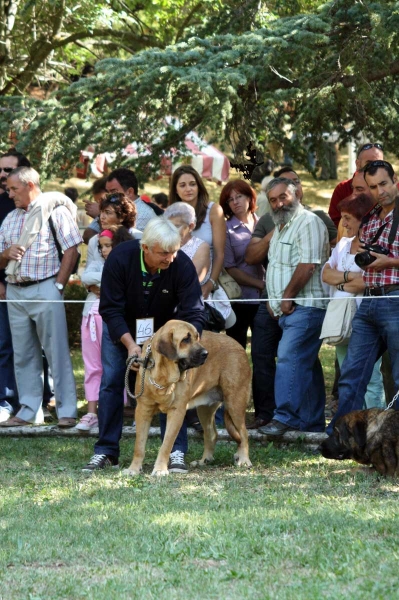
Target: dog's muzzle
[{"x": 196, "y": 359}]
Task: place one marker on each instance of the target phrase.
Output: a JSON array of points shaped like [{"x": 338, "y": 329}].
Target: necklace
[{"x": 347, "y": 259}]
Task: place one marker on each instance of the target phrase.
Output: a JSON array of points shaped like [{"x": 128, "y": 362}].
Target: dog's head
[
  {"x": 178, "y": 341},
  {"x": 349, "y": 438}
]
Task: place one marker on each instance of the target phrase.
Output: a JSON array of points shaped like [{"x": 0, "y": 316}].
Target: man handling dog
[{"x": 143, "y": 286}]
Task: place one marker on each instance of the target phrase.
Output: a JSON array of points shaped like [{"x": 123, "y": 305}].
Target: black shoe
[
  {"x": 257, "y": 423},
  {"x": 101, "y": 461},
  {"x": 275, "y": 428},
  {"x": 176, "y": 462},
  {"x": 197, "y": 426}
]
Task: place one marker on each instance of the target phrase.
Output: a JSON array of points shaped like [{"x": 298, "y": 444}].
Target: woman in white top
[
  {"x": 345, "y": 279},
  {"x": 182, "y": 215},
  {"x": 187, "y": 186}
]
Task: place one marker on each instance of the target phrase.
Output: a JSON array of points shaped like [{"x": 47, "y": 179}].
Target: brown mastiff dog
[
  {"x": 179, "y": 380},
  {"x": 370, "y": 437}
]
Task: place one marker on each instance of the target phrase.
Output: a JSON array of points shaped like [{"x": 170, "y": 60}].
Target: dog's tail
[{"x": 231, "y": 428}]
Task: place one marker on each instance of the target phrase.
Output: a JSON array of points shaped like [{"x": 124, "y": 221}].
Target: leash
[
  {"x": 392, "y": 402},
  {"x": 146, "y": 362}
]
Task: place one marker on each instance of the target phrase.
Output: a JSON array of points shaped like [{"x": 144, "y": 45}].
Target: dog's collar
[
  {"x": 158, "y": 386},
  {"x": 155, "y": 384}
]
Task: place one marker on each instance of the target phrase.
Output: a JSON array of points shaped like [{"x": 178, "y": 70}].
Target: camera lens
[{"x": 364, "y": 259}]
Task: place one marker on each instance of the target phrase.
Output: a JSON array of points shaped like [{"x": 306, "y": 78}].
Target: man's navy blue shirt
[{"x": 175, "y": 294}]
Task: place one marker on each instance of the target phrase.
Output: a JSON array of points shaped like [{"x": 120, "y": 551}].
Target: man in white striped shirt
[
  {"x": 298, "y": 250},
  {"x": 35, "y": 274}
]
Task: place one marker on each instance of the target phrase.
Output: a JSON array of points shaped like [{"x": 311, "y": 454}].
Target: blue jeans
[
  {"x": 110, "y": 403},
  {"x": 266, "y": 335},
  {"x": 7, "y": 377},
  {"x": 375, "y": 395},
  {"x": 375, "y": 328},
  {"x": 299, "y": 385}
]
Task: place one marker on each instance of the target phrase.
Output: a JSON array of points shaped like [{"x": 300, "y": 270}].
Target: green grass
[{"x": 294, "y": 526}]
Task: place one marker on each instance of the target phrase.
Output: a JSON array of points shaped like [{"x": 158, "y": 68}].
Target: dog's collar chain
[
  {"x": 155, "y": 384},
  {"x": 158, "y": 386},
  {"x": 147, "y": 362},
  {"x": 392, "y": 401}
]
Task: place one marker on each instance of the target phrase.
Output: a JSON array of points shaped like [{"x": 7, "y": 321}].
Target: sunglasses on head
[
  {"x": 377, "y": 163},
  {"x": 113, "y": 198},
  {"x": 368, "y": 147},
  {"x": 7, "y": 169}
]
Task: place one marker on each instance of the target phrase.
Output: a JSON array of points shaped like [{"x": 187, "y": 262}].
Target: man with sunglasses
[
  {"x": 376, "y": 323},
  {"x": 8, "y": 403},
  {"x": 366, "y": 153}
]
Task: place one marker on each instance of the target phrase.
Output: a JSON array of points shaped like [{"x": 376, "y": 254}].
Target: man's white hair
[
  {"x": 182, "y": 210},
  {"x": 162, "y": 232},
  {"x": 26, "y": 175}
]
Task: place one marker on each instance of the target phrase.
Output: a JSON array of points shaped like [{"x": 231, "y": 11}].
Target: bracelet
[
  {"x": 346, "y": 275},
  {"x": 340, "y": 287},
  {"x": 213, "y": 282}
]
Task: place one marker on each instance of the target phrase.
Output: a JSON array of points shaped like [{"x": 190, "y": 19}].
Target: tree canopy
[{"x": 332, "y": 69}]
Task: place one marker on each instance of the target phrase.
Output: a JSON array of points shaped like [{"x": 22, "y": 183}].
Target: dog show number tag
[{"x": 144, "y": 330}]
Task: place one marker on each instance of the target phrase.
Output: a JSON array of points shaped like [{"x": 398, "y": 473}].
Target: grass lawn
[{"x": 295, "y": 526}]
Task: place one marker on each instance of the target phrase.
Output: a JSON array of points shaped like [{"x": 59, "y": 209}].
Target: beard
[
  {"x": 282, "y": 216},
  {"x": 3, "y": 184}
]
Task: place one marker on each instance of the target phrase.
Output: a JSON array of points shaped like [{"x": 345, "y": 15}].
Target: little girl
[{"x": 92, "y": 324}]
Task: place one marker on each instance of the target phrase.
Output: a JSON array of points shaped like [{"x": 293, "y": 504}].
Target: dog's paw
[
  {"x": 160, "y": 473},
  {"x": 131, "y": 472},
  {"x": 242, "y": 462},
  {"x": 201, "y": 463}
]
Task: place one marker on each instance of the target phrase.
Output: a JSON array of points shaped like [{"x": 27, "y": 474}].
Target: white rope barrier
[{"x": 235, "y": 301}]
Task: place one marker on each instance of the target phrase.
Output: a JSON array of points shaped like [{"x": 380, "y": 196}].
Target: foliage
[
  {"x": 313, "y": 73},
  {"x": 46, "y": 43},
  {"x": 294, "y": 526}
]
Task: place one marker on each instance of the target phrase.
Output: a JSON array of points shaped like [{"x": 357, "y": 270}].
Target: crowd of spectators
[{"x": 149, "y": 260}]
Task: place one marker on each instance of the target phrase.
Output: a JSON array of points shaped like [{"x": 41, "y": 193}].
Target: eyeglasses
[
  {"x": 368, "y": 147},
  {"x": 377, "y": 163},
  {"x": 7, "y": 169}
]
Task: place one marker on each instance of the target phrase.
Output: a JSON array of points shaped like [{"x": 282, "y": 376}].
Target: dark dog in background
[{"x": 370, "y": 437}]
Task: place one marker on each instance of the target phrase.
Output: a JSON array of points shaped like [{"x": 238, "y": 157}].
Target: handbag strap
[{"x": 57, "y": 244}]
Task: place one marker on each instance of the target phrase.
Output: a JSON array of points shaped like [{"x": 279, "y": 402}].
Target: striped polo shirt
[{"x": 304, "y": 239}]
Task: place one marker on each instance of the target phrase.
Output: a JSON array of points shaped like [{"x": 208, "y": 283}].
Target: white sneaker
[
  {"x": 5, "y": 412},
  {"x": 88, "y": 422}
]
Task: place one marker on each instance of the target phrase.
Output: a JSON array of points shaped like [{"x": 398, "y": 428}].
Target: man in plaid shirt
[
  {"x": 376, "y": 323},
  {"x": 36, "y": 276}
]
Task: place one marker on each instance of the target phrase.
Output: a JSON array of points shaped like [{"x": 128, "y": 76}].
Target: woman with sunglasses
[
  {"x": 117, "y": 214},
  {"x": 115, "y": 209}
]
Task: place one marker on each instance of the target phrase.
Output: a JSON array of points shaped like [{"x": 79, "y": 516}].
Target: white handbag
[{"x": 337, "y": 324}]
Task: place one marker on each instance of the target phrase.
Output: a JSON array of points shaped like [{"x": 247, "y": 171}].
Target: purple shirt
[{"x": 238, "y": 236}]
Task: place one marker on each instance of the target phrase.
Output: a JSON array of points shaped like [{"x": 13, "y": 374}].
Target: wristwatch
[{"x": 59, "y": 286}]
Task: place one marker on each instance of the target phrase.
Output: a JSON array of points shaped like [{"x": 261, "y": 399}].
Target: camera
[{"x": 363, "y": 259}]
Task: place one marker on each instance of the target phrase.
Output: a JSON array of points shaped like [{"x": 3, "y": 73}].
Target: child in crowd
[{"x": 92, "y": 324}]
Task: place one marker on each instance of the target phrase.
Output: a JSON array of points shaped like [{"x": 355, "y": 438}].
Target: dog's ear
[
  {"x": 359, "y": 432},
  {"x": 166, "y": 346},
  {"x": 344, "y": 432}
]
